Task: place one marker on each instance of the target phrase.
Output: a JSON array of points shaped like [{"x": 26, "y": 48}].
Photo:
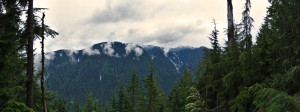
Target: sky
[{"x": 165, "y": 23}]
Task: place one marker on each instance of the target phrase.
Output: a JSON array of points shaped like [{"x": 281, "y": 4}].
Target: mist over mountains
[{"x": 101, "y": 68}]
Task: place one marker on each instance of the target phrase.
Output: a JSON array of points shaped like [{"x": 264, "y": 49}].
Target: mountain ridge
[{"x": 79, "y": 71}]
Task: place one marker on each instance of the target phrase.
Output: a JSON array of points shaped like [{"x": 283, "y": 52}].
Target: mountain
[{"x": 101, "y": 68}]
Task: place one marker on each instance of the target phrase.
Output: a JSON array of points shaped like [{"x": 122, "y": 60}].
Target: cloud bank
[{"x": 164, "y": 23}]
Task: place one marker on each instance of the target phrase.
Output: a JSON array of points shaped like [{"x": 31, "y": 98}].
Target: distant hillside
[{"x": 101, "y": 68}]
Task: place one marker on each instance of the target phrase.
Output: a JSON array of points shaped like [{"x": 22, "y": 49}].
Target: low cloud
[
  {"x": 108, "y": 50},
  {"x": 90, "y": 51},
  {"x": 138, "y": 51},
  {"x": 166, "y": 51},
  {"x": 38, "y": 58},
  {"x": 133, "y": 47},
  {"x": 70, "y": 54}
]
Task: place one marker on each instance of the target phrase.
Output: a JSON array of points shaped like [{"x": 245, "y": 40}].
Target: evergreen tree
[
  {"x": 91, "y": 104},
  {"x": 230, "y": 32},
  {"x": 113, "y": 105},
  {"x": 154, "y": 98},
  {"x": 43, "y": 66},
  {"x": 121, "y": 100},
  {"x": 175, "y": 101},
  {"x": 134, "y": 91},
  {"x": 30, "y": 69},
  {"x": 77, "y": 107},
  {"x": 196, "y": 102}
]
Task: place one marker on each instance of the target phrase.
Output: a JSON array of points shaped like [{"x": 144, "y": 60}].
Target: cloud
[
  {"x": 166, "y": 51},
  {"x": 164, "y": 23},
  {"x": 133, "y": 47},
  {"x": 138, "y": 51},
  {"x": 108, "y": 50},
  {"x": 90, "y": 51},
  {"x": 129, "y": 47},
  {"x": 126, "y": 11},
  {"x": 38, "y": 58},
  {"x": 174, "y": 33},
  {"x": 70, "y": 54}
]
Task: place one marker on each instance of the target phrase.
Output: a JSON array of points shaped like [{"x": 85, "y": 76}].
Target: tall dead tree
[
  {"x": 43, "y": 67},
  {"x": 230, "y": 33},
  {"x": 29, "y": 81}
]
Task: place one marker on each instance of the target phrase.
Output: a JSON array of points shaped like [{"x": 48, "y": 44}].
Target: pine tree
[
  {"x": 77, "y": 107},
  {"x": 43, "y": 66},
  {"x": 230, "y": 33},
  {"x": 91, "y": 104},
  {"x": 12, "y": 59},
  {"x": 175, "y": 101},
  {"x": 113, "y": 105},
  {"x": 29, "y": 83},
  {"x": 196, "y": 103},
  {"x": 154, "y": 98},
  {"x": 134, "y": 91},
  {"x": 121, "y": 100}
]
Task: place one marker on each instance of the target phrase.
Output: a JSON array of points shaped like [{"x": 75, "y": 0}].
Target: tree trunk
[
  {"x": 230, "y": 33},
  {"x": 43, "y": 67},
  {"x": 29, "y": 82}
]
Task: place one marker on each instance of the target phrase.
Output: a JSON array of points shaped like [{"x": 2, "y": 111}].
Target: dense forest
[{"x": 242, "y": 76}]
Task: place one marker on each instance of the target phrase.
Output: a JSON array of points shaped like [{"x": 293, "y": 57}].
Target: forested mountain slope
[{"x": 103, "y": 67}]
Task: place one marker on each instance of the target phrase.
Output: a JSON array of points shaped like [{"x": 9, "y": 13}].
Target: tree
[
  {"x": 121, "y": 100},
  {"x": 134, "y": 91},
  {"x": 12, "y": 57},
  {"x": 91, "y": 104},
  {"x": 43, "y": 67},
  {"x": 77, "y": 107},
  {"x": 196, "y": 103},
  {"x": 154, "y": 98},
  {"x": 29, "y": 85},
  {"x": 246, "y": 23},
  {"x": 113, "y": 105},
  {"x": 230, "y": 33}
]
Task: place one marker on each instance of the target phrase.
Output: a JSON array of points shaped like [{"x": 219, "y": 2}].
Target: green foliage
[
  {"x": 91, "y": 104},
  {"x": 14, "y": 106},
  {"x": 133, "y": 92},
  {"x": 271, "y": 100},
  {"x": 154, "y": 97},
  {"x": 196, "y": 103}
]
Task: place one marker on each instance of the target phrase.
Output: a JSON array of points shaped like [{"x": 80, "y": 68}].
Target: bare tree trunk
[
  {"x": 29, "y": 82},
  {"x": 43, "y": 67},
  {"x": 230, "y": 33}
]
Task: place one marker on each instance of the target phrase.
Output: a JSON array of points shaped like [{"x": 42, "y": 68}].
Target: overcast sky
[{"x": 166, "y": 23}]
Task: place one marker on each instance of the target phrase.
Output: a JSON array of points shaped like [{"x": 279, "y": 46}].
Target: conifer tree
[
  {"x": 113, "y": 105},
  {"x": 134, "y": 91},
  {"x": 121, "y": 100},
  {"x": 77, "y": 107},
  {"x": 43, "y": 66},
  {"x": 230, "y": 33},
  {"x": 154, "y": 98},
  {"x": 91, "y": 104},
  {"x": 30, "y": 36}
]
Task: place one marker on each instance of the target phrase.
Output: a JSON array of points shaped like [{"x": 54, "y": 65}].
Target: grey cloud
[
  {"x": 38, "y": 57},
  {"x": 71, "y": 53},
  {"x": 133, "y": 47},
  {"x": 90, "y": 51},
  {"x": 173, "y": 33},
  {"x": 108, "y": 50},
  {"x": 128, "y": 11}
]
